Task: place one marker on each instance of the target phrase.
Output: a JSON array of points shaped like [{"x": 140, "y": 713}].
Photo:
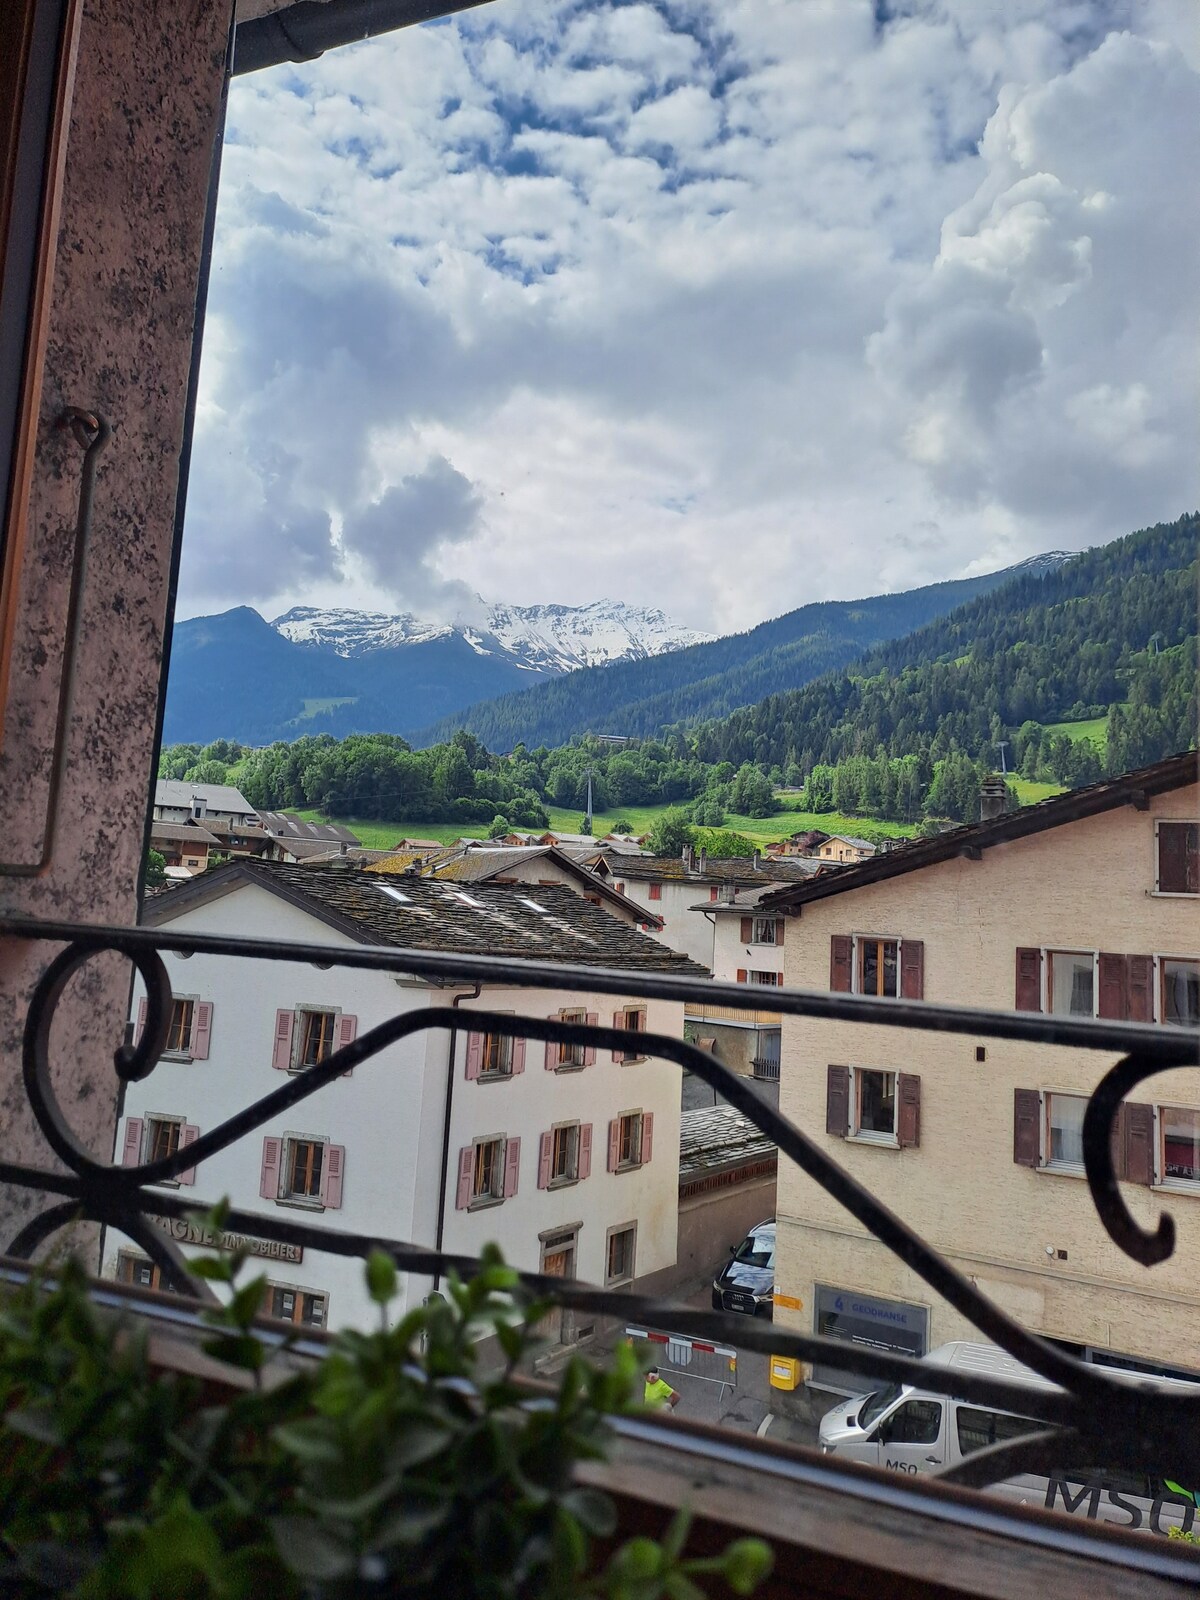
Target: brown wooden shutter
[
  {"x": 780, "y": 925},
  {"x": 841, "y": 963},
  {"x": 1118, "y": 1144},
  {"x": 908, "y": 1120},
  {"x": 1027, "y": 1127},
  {"x": 747, "y": 929},
  {"x": 1139, "y": 1142},
  {"x": 837, "y": 1101},
  {"x": 1177, "y": 849},
  {"x": 1029, "y": 981},
  {"x": 1140, "y": 988},
  {"x": 1112, "y": 987},
  {"x": 912, "y": 969},
  {"x": 742, "y": 975}
]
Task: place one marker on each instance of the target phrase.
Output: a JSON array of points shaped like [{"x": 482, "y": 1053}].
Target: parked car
[{"x": 747, "y": 1280}]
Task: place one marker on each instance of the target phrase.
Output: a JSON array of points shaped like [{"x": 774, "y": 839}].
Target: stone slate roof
[
  {"x": 720, "y": 870},
  {"x": 285, "y": 827},
  {"x": 716, "y": 1139},
  {"x": 216, "y": 796},
  {"x": 547, "y": 923},
  {"x": 181, "y": 832}
]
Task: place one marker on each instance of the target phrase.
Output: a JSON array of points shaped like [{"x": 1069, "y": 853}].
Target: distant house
[
  {"x": 184, "y": 846},
  {"x": 845, "y": 847},
  {"x": 540, "y": 864},
  {"x": 181, "y": 800},
  {"x": 804, "y": 843}
]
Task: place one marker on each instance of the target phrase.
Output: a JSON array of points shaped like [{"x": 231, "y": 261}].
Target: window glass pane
[
  {"x": 1072, "y": 984},
  {"x": 307, "y": 1159},
  {"x": 164, "y": 1139},
  {"x": 876, "y": 1102},
  {"x": 1180, "y": 1144},
  {"x": 179, "y": 1035},
  {"x": 977, "y": 1430},
  {"x": 917, "y": 1422},
  {"x": 497, "y": 1055},
  {"x": 317, "y": 1040},
  {"x": 630, "y": 1150},
  {"x": 571, "y": 1055},
  {"x": 1066, "y": 1129},
  {"x": 1181, "y": 992},
  {"x": 879, "y": 967}
]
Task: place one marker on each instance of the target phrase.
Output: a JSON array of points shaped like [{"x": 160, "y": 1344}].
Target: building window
[
  {"x": 1177, "y": 858},
  {"x": 487, "y": 1182},
  {"x": 713, "y": 892},
  {"x": 1071, "y": 983},
  {"x": 770, "y": 980},
  {"x": 763, "y": 930},
  {"x": 1179, "y": 1146},
  {"x": 496, "y": 1060},
  {"x": 179, "y": 1031},
  {"x": 868, "y": 963},
  {"x": 306, "y": 1306},
  {"x": 873, "y": 1105},
  {"x": 304, "y": 1166},
  {"x": 1063, "y": 1146},
  {"x": 572, "y": 1054},
  {"x": 138, "y": 1270},
  {"x": 1179, "y": 991},
  {"x": 633, "y": 1020},
  {"x": 317, "y": 1030},
  {"x": 877, "y": 968},
  {"x": 656, "y": 891},
  {"x": 630, "y": 1140},
  {"x": 620, "y": 1255},
  {"x": 162, "y": 1137},
  {"x": 564, "y": 1153}
]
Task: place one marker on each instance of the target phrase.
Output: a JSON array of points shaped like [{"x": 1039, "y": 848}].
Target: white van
[{"x": 914, "y": 1430}]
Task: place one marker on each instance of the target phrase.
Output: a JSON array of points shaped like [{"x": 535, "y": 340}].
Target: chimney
[
  {"x": 758, "y": 861},
  {"x": 703, "y": 860},
  {"x": 993, "y": 797}
]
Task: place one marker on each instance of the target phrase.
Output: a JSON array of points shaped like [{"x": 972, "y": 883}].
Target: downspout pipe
[
  {"x": 469, "y": 994},
  {"x": 305, "y": 31}
]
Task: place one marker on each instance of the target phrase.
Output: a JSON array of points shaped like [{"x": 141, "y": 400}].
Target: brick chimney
[{"x": 993, "y": 797}]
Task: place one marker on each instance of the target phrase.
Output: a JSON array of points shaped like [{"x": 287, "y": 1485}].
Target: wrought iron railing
[{"x": 1131, "y": 1425}]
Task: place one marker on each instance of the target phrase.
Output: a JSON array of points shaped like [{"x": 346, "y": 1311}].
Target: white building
[
  {"x": 186, "y": 801},
  {"x": 567, "y": 1158}
]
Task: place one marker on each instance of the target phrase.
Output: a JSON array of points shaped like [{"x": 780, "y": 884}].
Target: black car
[{"x": 747, "y": 1281}]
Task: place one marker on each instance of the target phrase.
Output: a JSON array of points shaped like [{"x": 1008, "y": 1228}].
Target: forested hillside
[
  {"x": 1114, "y": 627},
  {"x": 708, "y": 680}
]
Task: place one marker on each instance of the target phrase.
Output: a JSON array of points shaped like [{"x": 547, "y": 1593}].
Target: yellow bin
[{"x": 785, "y": 1372}]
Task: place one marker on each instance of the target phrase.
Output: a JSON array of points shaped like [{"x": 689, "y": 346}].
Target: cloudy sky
[{"x": 716, "y": 305}]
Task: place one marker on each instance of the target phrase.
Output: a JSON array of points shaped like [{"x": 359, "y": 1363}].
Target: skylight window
[
  {"x": 533, "y": 906},
  {"x": 394, "y": 894},
  {"x": 467, "y": 901}
]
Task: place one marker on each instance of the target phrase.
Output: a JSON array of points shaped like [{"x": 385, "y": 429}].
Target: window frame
[
  {"x": 632, "y": 1164},
  {"x": 886, "y": 1141},
  {"x": 153, "y": 1119},
  {"x": 1160, "y": 960},
  {"x": 504, "y": 1068},
  {"x": 480, "y": 1200},
  {"x": 757, "y": 923},
  {"x": 1071, "y": 1169},
  {"x": 184, "y": 1051},
  {"x": 134, "y": 1260},
  {"x": 618, "y": 1231},
  {"x": 758, "y": 977},
  {"x": 569, "y": 1135},
  {"x": 861, "y": 940},
  {"x": 628, "y": 1057},
  {"x": 303, "y": 1011},
  {"x": 312, "y": 1202},
  {"x": 1159, "y": 1172},
  {"x": 274, "y": 1288},
  {"x": 1048, "y": 954},
  {"x": 577, "y": 1016},
  {"x": 1169, "y": 894}
]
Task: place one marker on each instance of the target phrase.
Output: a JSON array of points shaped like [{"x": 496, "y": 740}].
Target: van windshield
[{"x": 876, "y": 1404}]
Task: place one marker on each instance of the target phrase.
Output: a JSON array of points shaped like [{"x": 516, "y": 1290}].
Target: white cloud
[{"x": 723, "y": 307}]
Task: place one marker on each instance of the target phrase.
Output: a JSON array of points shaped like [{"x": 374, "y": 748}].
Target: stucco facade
[
  {"x": 389, "y": 1115},
  {"x": 1027, "y": 1235}
]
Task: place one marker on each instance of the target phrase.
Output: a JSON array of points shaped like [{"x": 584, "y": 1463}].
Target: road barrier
[{"x": 692, "y": 1358}]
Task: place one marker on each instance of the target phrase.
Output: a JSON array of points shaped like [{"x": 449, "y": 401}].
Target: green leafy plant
[{"x": 391, "y": 1466}]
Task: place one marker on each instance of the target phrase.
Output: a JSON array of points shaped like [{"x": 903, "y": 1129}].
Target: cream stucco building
[{"x": 1085, "y": 905}]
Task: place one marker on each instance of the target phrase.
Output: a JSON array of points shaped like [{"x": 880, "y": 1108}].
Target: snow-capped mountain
[{"x": 538, "y": 639}]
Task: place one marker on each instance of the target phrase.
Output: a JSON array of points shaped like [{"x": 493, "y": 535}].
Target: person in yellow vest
[{"x": 658, "y": 1391}]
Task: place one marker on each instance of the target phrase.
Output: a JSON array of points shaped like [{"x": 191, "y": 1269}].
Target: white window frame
[
  {"x": 152, "y": 1117},
  {"x": 858, "y": 940},
  {"x": 310, "y": 1202},
  {"x": 887, "y": 1141},
  {"x": 620, "y": 1279},
  {"x": 762, "y": 979},
  {"x": 298, "y": 1289},
  {"x": 301, "y": 1010},
  {"x": 1158, "y": 984},
  {"x": 185, "y": 1054},
  {"x": 479, "y": 1202},
  {"x": 1072, "y": 1169},
  {"x": 625, "y": 1116},
  {"x": 566, "y": 1179},
  {"x": 1161, "y": 1181},
  {"x": 757, "y": 923},
  {"x": 1169, "y": 894},
  {"x": 1049, "y": 951}
]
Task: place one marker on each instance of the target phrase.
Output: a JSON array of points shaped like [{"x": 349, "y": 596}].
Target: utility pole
[
  {"x": 1002, "y": 746},
  {"x": 588, "y": 829}
]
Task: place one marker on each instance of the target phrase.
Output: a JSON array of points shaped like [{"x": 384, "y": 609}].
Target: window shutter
[
  {"x": 512, "y": 1167},
  {"x": 189, "y": 1135},
  {"x": 741, "y": 975},
  {"x": 912, "y": 969},
  {"x": 334, "y": 1175},
  {"x": 647, "y": 1136},
  {"x": 618, "y": 1022},
  {"x": 545, "y": 1147},
  {"x": 518, "y": 1056},
  {"x": 779, "y": 979},
  {"x": 837, "y": 1101},
  {"x": 908, "y": 1120},
  {"x": 347, "y": 1029},
  {"x": 585, "y": 1151},
  {"x": 780, "y": 925},
  {"x": 551, "y": 1046},
  {"x": 1139, "y": 1142},
  {"x": 1029, "y": 981},
  {"x": 131, "y": 1155},
  {"x": 268, "y": 1181},
  {"x": 1027, "y": 1127},
  {"x": 841, "y": 963},
  {"x": 201, "y": 1030},
  {"x": 143, "y": 1007},
  {"x": 1174, "y": 839},
  {"x": 1112, "y": 986},
  {"x": 1140, "y": 988},
  {"x": 466, "y": 1177},
  {"x": 589, "y": 1050},
  {"x": 1119, "y": 1145},
  {"x": 614, "y": 1144},
  {"x": 747, "y": 929},
  {"x": 474, "y": 1056},
  {"x": 285, "y": 1021}
]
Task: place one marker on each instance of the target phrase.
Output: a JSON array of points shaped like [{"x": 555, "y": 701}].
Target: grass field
[
  {"x": 1029, "y": 793},
  {"x": 1094, "y": 728}
]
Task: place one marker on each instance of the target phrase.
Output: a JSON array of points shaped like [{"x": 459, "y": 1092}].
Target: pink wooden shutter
[
  {"x": 347, "y": 1029},
  {"x": 466, "y": 1177},
  {"x": 268, "y": 1181},
  {"x": 614, "y": 1143},
  {"x": 201, "y": 1030},
  {"x": 551, "y": 1047},
  {"x": 912, "y": 969},
  {"x": 131, "y": 1155},
  {"x": 512, "y": 1167},
  {"x": 1029, "y": 981},
  {"x": 1141, "y": 988},
  {"x": 335, "y": 1173},
  {"x": 618, "y": 1022},
  {"x": 474, "y": 1056},
  {"x": 518, "y": 1056},
  {"x": 589, "y": 1050},
  {"x": 747, "y": 929},
  {"x": 647, "y": 1136},
  {"x": 841, "y": 962},
  {"x": 1027, "y": 1127},
  {"x": 189, "y": 1136},
  {"x": 285, "y": 1021},
  {"x": 143, "y": 1006},
  {"x": 545, "y": 1145},
  {"x": 585, "y": 1150},
  {"x": 1112, "y": 987},
  {"x": 837, "y": 1101}
]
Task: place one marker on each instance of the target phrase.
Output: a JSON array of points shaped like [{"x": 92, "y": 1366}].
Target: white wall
[{"x": 688, "y": 931}]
